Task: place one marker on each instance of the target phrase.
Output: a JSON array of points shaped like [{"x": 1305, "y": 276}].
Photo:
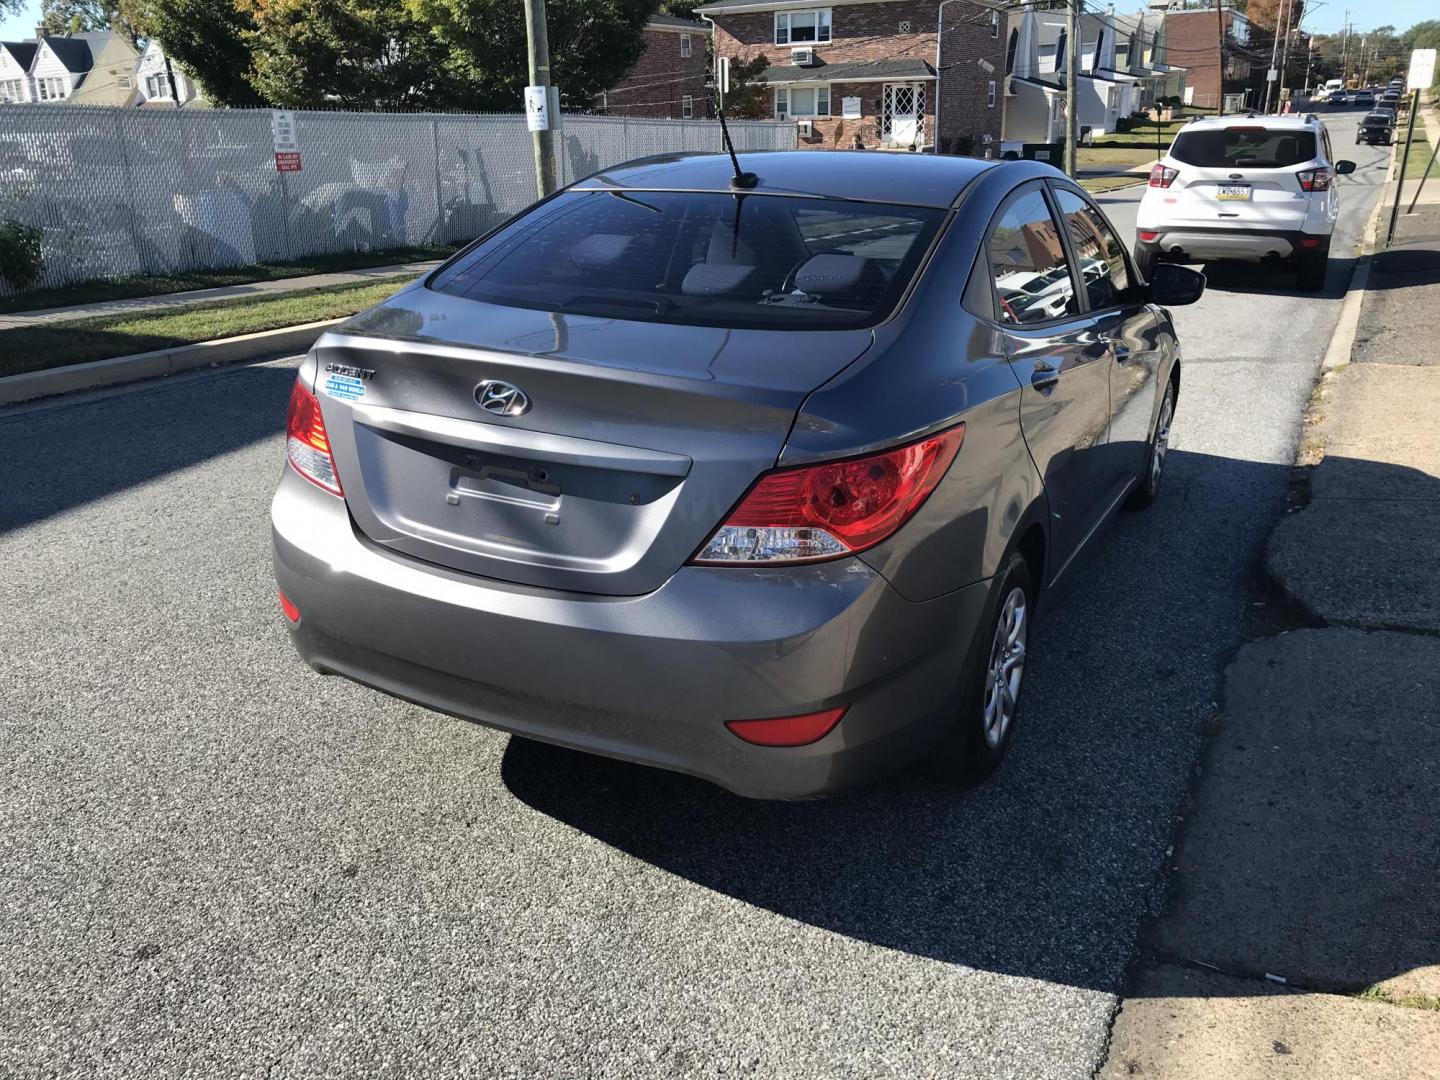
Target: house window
[
  {"x": 990, "y": 94},
  {"x": 12, "y": 90},
  {"x": 994, "y": 24},
  {"x": 801, "y": 27},
  {"x": 53, "y": 89},
  {"x": 157, "y": 86},
  {"x": 685, "y": 45},
  {"x": 687, "y": 107},
  {"x": 1010, "y": 51},
  {"x": 792, "y": 101}
]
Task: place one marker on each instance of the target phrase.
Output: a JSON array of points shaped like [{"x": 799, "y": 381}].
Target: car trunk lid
[{"x": 636, "y": 440}]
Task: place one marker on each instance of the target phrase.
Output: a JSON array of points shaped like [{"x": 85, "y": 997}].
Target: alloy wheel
[
  {"x": 1006, "y": 667},
  {"x": 1162, "y": 440}
]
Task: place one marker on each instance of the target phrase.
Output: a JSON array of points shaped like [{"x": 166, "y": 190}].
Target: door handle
[
  {"x": 1122, "y": 351},
  {"x": 1043, "y": 376}
]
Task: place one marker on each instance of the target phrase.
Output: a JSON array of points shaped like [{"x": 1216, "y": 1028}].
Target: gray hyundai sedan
[{"x": 762, "y": 482}]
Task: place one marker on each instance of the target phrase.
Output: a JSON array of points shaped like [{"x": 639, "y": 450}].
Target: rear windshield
[
  {"x": 1244, "y": 147},
  {"x": 706, "y": 259}
]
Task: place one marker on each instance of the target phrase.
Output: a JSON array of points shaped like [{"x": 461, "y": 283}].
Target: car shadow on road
[
  {"x": 1277, "y": 279},
  {"x": 73, "y": 452},
  {"x": 1048, "y": 870}
]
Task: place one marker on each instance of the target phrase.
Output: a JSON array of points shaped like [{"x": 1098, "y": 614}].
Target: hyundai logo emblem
[{"x": 501, "y": 398}]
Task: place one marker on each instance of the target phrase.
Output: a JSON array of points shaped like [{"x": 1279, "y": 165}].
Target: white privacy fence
[{"x": 131, "y": 191}]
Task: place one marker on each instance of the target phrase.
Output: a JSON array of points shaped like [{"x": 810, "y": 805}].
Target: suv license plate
[{"x": 1233, "y": 192}]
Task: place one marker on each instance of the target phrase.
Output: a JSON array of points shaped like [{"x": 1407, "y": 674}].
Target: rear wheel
[
  {"x": 990, "y": 692},
  {"x": 1145, "y": 259},
  {"x": 1310, "y": 271}
]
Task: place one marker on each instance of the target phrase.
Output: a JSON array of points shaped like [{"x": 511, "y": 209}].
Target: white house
[
  {"x": 1140, "y": 50},
  {"x": 153, "y": 80},
  {"x": 16, "y": 58},
  {"x": 60, "y": 66},
  {"x": 1036, "y": 63}
]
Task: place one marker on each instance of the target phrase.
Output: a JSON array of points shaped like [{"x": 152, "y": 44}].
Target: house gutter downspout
[{"x": 939, "y": 72}]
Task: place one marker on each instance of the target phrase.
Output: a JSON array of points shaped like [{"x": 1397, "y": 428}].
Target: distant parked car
[{"x": 1365, "y": 98}]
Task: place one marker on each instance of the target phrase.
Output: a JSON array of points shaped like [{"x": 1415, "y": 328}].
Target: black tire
[
  {"x": 1145, "y": 260},
  {"x": 1310, "y": 271},
  {"x": 1152, "y": 474},
  {"x": 965, "y": 755}
]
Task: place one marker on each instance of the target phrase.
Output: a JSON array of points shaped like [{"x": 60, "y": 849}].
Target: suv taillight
[
  {"x": 814, "y": 512},
  {"x": 1314, "y": 179},
  {"x": 306, "y": 443},
  {"x": 1162, "y": 176}
]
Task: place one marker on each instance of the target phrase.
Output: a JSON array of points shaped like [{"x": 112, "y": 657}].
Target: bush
[{"x": 21, "y": 260}]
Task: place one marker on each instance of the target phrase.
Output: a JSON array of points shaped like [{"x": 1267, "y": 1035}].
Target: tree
[
  {"x": 358, "y": 54},
  {"x": 593, "y": 43},
  {"x": 207, "y": 39},
  {"x": 75, "y": 16},
  {"x": 749, "y": 95}
]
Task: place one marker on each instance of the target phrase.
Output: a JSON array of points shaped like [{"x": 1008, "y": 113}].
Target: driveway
[{"x": 216, "y": 862}]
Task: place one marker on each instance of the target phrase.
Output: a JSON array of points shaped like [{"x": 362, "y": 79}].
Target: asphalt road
[{"x": 215, "y": 862}]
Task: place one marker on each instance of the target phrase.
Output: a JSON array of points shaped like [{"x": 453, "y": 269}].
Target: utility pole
[
  {"x": 1284, "y": 55},
  {"x": 1220, "y": 58},
  {"x": 1271, "y": 80},
  {"x": 538, "y": 42},
  {"x": 1345, "y": 51},
  {"x": 1072, "y": 61}
]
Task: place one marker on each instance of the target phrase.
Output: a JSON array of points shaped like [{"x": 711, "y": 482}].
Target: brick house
[
  {"x": 1193, "y": 38},
  {"x": 668, "y": 81},
  {"x": 867, "y": 72}
]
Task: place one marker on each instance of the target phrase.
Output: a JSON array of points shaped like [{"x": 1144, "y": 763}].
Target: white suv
[{"x": 1257, "y": 188}]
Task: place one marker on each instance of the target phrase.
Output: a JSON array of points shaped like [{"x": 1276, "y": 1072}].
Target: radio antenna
[{"x": 742, "y": 180}]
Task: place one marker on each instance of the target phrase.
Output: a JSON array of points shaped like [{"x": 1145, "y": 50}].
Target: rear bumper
[
  {"x": 1249, "y": 245},
  {"x": 650, "y": 678}
]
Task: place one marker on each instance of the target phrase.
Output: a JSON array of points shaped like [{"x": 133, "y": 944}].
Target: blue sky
[{"x": 1402, "y": 14}]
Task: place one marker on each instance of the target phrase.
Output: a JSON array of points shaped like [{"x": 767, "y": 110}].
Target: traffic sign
[{"x": 1422, "y": 69}]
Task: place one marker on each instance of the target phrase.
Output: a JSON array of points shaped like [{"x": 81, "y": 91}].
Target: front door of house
[{"x": 903, "y": 120}]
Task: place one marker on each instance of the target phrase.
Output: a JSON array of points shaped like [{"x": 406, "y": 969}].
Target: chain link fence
[{"x": 148, "y": 191}]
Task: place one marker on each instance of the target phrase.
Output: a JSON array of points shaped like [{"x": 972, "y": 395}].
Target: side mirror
[
  {"x": 1344, "y": 168},
  {"x": 1172, "y": 285}
]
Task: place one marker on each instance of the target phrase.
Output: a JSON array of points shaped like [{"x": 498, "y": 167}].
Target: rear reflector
[
  {"x": 1147, "y": 235},
  {"x": 788, "y": 730},
  {"x": 836, "y": 508},
  {"x": 291, "y": 611},
  {"x": 306, "y": 444},
  {"x": 1310, "y": 241}
]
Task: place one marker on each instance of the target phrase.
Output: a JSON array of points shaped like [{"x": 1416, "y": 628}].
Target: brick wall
[
  {"x": 868, "y": 32},
  {"x": 661, "y": 77},
  {"x": 1191, "y": 41}
]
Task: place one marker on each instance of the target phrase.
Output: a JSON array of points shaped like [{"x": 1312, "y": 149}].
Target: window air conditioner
[
  {"x": 804, "y": 128},
  {"x": 802, "y": 57}
]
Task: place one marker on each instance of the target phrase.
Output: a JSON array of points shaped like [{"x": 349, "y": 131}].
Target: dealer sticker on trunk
[{"x": 346, "y": 382}]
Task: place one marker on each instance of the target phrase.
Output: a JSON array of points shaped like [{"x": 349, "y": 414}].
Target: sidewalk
[
  {"x": 259, "y": 289},
  {"x": 1302, "y": 936}
]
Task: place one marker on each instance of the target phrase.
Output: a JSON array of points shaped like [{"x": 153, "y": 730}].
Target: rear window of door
[
  {"x": 705, "y": 259},
  {"x": 1098, "y": 251},
  {"x": 1244, "y": 148},
  {"x": 1027, "y": 262}
]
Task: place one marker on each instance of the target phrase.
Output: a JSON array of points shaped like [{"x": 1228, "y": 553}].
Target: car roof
[
  {"x": 1210, "y": 123},
  {"x": 870, "y": 175}
]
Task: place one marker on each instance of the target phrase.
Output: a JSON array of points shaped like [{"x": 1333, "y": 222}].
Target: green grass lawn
[
  {"x": 1110, "y": 183},
  {"x": 1420, "y": 151},
  {"x": 1116, "y": 157},
  {"x": 47, "y": 345},
  {"x": 93, "y": 292}
]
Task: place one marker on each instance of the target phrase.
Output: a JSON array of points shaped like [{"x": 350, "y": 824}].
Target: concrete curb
[
  {"x": 126, "y": 369},
  {"x": 1343, "y": 342}
]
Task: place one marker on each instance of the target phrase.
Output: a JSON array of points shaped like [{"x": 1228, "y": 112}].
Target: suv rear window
[
  {"x": 706, "y": 259},
  {"x": 1244, "y": 147}
]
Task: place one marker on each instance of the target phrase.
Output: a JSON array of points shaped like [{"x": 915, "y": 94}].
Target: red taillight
[
  {"x": 788, "y": 730},
  {"x": 1147, "y": 235},
  {"x": 306, "y": 443},
  {"x": 1162, "y": 176},
  {"x": 836, "y": 508},
  {"x": 288, "y": 607},
  {"x": 1314, "y": 179},
  {"x": 1310, "y": 241}
]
